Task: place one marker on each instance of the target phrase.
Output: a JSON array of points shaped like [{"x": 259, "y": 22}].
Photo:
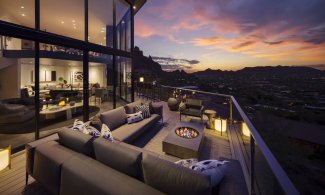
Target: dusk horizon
[{"x": 232, "y": 35}]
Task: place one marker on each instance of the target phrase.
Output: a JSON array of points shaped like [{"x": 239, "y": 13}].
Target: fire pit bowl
[{"x": 186, "y": 132}]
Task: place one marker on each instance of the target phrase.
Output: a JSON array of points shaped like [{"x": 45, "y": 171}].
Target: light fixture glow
[
  {"x": 23, "y": 15},
  {"x": 73, "y": 21},
  {"x": 245, "y": 130},
  {"x": 141, "y": 79},
  {"x": 134, "y": 7},
  {"x": 5, "y": 158},
  {"x": 22, "y": 7},
  {"x": 220, "y": 124},
  {"x": 62, "y": 22}
]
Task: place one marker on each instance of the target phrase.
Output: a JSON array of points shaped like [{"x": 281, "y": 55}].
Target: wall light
[
  {"x": 245, "y": 129},
  {"x": 5, "y": 160},
  {"x": 141, "y": 79},
  {"x": 220, "y": 125}
]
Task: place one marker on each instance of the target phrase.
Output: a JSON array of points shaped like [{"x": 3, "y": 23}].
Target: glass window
[
  {"x": 63, "y": 17},
  {"x": 17, "y": 102},
  {"x": 100, "y": 83},
  {"x": 61, "y": 88},
  {"x": 124, "y": 78},
  {"x": 18, "y": 12},
  {"x": 100, "y": 19},
  {"x": 123, "y": 30}
]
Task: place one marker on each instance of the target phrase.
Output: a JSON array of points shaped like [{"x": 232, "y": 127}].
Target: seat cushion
[
  {"x": 93, "y": 177},
  {"x": 77, "y": 141},
  {"x": 47, "y": 164},
  {"x": 128, "y": 132},
  {"x": 114, "y": 118},
  {"x": 173, "y": 179},
  {"x": 119, "y": 157},
  {"x": 192, "y": 112}
]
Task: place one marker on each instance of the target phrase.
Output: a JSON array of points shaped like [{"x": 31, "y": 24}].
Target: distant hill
[{"x": 146, "y": 66}]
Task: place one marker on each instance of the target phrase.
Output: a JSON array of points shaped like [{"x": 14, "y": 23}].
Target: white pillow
[
  {"x": 82, "y": 127},
  {"x": 132, "y": 118},
  {"x": 106, "y": 133},
  {"x": 186, "y": 162},
  {"x": 215, "y": 168}
]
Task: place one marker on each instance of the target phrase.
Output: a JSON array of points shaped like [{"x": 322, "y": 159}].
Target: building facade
[{"x": 62, "y": 60}]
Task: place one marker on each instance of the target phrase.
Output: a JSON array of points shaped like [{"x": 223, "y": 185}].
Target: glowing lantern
[
  {"x": 5, "y": 158},
  {"x": 220, "y": 125},
  {"x": 141, "y": 79},
  {"x": 245, "y": 129}
]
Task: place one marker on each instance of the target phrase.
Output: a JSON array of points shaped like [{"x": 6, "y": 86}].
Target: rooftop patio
[{"x": 251, "y": 154}]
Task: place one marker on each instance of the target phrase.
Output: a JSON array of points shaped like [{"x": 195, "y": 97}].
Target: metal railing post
[
  {"x": 252, "y": 165},
  {"x": 230, "y": 111}
]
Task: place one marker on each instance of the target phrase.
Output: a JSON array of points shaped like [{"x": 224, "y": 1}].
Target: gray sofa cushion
[
  {"x": 233, "y": 182},
  {"x": 114, "y": 118},
  {"x": 93, "y": 177},
  {"x": 128, "y": 132},
  {"x": 130, "y": 108},
  {"x": 30, "y": 151},
  {"x": 77, "y": 141},
  {"x": 47, "y": 164},
  {"x": 119, "y": 157},
  {"x": 173, "y": 179}
]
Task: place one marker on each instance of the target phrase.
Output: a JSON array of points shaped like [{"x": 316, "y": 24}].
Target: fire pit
[{"x": 186, "y": 132}]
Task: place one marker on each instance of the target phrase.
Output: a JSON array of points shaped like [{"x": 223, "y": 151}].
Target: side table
[{"x": 210, "y": 114}]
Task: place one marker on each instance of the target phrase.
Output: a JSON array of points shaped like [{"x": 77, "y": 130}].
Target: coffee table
[
  {"x": 183, "y": 147},
  {"x": 52, "y": 110}
]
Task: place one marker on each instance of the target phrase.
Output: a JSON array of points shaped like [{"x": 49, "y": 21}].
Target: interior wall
[{"x": 9, "y": 81}]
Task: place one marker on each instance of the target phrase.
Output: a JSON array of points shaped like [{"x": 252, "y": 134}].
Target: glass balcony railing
[{"x": 262, "y": 172}]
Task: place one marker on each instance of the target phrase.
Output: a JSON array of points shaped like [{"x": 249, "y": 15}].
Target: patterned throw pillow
[
  {"x": 144, "y": 109},
  {"x": 186, "y": 162},
  {"x": 82, "y": 127},
  {"x": 215, "y": 168},
  {"x": 132, "y": 118},
  {"x": 106, "y": 133}
]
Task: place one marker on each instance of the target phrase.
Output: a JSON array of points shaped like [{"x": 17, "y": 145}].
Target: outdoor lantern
[
  {"x": 245, "y": 130},
  {"x": 5, "y": 158},
  {"x": 141, "y": 79},
  {"x": 220, "y": 125}
]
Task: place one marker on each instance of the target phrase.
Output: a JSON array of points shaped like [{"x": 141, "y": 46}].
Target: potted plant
[{"x": 62, "y": 81}]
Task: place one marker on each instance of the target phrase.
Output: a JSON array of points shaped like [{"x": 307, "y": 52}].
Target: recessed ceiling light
[
  {"x": 103, "y": 28},
  {"x": 102, "y": 31},
  {"x": 134, "y": 7},
  {"x": 62, "y": 22},
  {"x": 22, "y": 7},
  {"x": 104, "y": 38},
  {"x": 73, "y": 21},
  {"x": 74, "y": 27},
  {"x": 23, "y": 15}
]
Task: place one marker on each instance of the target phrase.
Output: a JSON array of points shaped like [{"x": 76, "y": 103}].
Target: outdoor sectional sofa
[{"x": 71, "y": 162}]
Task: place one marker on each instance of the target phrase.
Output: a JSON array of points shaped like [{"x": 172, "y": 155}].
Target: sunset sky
[{"x": 231, "y": 34}]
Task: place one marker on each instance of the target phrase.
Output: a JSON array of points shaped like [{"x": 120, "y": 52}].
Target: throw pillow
[
  {"x": 82, "y": 127},
  {"x": 144, "y": 109},
  {"x": 186, "y": 162},
  {"x": 106, "y": 133},
  {"x": 214, "y": 168},
  {"x": 96, "y": 122},
  {"x": 132, "y": 118},
  {"x": 182, "y": 106}
]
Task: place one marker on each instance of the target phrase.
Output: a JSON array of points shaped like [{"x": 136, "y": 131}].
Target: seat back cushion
[
  {"x": 173, "y": 179},
  {"x": 114, "y": 118},
  {"x": 130, "y": 108},
  {"x": 118, "y": 157},
  {"x": 77, "y": 141},
  {"x": 194, "y": 102}
]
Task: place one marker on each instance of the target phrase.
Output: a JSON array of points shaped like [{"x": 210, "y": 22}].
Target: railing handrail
[
  {"x": 282, "y": 178},
  {"x": 193, "y": 90}
]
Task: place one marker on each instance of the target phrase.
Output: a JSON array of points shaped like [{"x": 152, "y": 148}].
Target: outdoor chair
[{"x": 192, "y": 107}]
